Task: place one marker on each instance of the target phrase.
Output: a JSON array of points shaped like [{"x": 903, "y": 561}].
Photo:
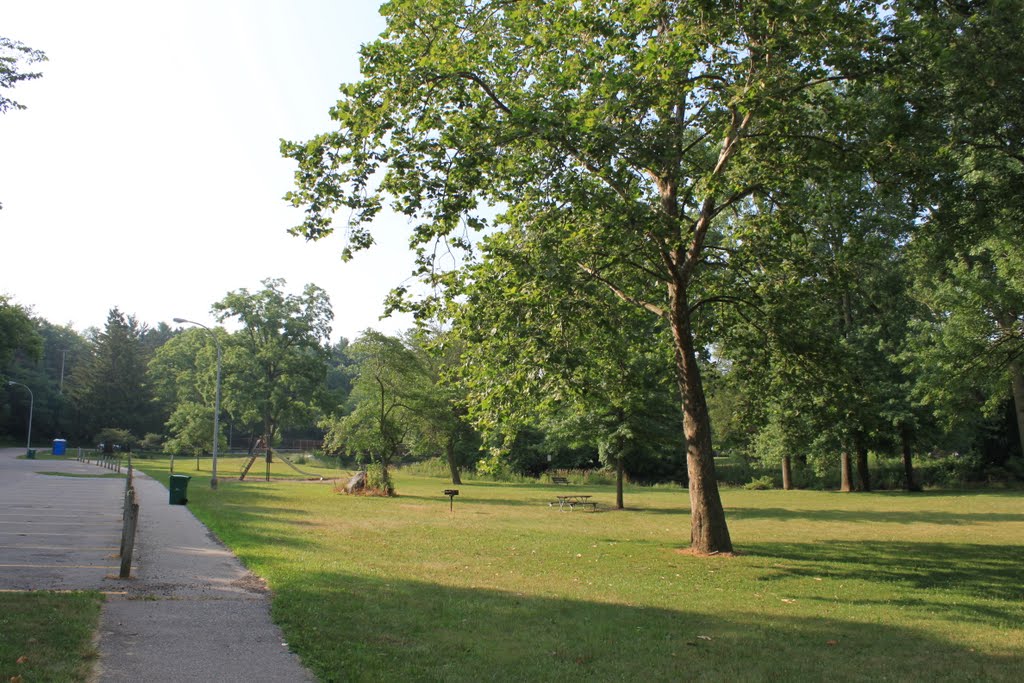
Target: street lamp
[
  {"x": 31, "y": 405},
  {"x": 216, "y": 403}
]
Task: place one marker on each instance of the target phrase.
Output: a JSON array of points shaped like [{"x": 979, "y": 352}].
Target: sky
[{"x": 146, "y": 175}]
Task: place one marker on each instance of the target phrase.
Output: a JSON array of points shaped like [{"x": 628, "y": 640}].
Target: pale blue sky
[{"x": 145, "y": 173}]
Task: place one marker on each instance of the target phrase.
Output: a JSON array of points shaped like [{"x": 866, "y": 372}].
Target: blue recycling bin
[{"x": 60, "y": 446}]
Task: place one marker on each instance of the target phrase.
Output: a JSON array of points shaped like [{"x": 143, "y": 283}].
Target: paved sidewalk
[{"x": 190, "y": 612}]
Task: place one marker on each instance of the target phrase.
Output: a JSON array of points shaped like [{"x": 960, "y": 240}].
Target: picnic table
[{"x": 572, "y": 500}]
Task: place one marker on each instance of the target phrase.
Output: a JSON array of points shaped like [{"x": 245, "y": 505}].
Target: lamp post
[
  {"x": 31, "y": 406},
  {"x": 216, "y": 402}
]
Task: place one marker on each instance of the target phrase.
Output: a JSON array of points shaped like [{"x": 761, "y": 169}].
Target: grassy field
[
  {"x": 871, "y": 587},
  {"x": 47, "y": 636}
]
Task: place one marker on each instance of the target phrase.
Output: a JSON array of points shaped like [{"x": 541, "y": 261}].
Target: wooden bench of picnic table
[{"x": 572, "y": 500}]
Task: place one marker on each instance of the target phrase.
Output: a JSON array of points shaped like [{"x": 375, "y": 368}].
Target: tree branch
[
  {"x": 656, "y": 310},
  {"x": 485, "y": 87}
]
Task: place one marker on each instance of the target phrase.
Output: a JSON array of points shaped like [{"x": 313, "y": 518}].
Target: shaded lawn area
[
  {"x": 73, "y": 475},
  {"x": 826, "y": 585},
  {"x": 48, "y": 636}
]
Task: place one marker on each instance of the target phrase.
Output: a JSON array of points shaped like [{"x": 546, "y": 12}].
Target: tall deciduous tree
[
  {"x": 562, "y": 353},
  {"x": 832, "y": 312},
  {"x": 959, "y": 81},
  {"x": 51, "y": 379},
  {"x": 387, "y": 395},
  {"x": 619, "y": 132},
  {"x": 17, "y": 333},
  {"x": 183, "y": 375},
  {"x": 276, "y": 364},
  {"x": 441, "y": 425},
  {"x": 19, "y": 338}
]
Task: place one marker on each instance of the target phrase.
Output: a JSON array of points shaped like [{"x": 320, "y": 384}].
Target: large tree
[
  {"x": 51, "y": 378},
  {"x": 958, "y": 81},
  {"x": 619, "y": 134},
  {"x": 441, "y": 425},
  {"x": 389, "y": 391},
  {"x": 830, "y": 314},
  {"x": 17, "y": 333},
  {"x": 563, "y": 355},
  {"x": 111, "y": 387},
  {"x": 19, "y": 340},
  {"x": 275, "y": 365},
  {"x": 183, "y": 376}
]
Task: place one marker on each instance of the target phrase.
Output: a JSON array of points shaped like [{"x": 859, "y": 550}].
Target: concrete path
[{"x": 190, "y": 612}]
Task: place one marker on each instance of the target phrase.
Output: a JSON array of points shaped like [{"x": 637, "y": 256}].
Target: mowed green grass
[
  {"x": 884, "y": 586},
  {"x": 48, "y": 636}
]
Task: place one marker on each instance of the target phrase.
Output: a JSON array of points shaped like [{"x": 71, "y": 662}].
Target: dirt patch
[
  {"x": 252, "y": 584},
  {"x": 693, "y": 552}
]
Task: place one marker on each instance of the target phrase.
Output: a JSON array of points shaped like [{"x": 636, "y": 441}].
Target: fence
[
  {"x": 130, "y": 519},
  {"x": 111, "y": 461},
  {"x": 130, "y": 513}
]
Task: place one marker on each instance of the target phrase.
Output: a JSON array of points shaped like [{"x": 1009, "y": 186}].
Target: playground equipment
[{"x": 269, "y": 458}]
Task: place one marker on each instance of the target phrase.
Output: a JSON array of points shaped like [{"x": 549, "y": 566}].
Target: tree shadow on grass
[
  {"x": 244, "y": 514},
  {"x": 603, "y": 502},
  {"x": 983, "y": 571},
  {"x": 462, "y": 499},
  {"x": 874, "y": 516},
  {"x": 355, "y": 627}
]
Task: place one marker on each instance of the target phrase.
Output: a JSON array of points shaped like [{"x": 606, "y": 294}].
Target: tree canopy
[
  {"x": 616, "y": 136},
  {"x": 276, "y": 364},
  {"x": 14, "y": 58}
]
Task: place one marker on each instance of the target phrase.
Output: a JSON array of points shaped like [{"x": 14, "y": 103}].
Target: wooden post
[
  {"x": 129, "y": 500},
  {"x": 126, "y": 556}
]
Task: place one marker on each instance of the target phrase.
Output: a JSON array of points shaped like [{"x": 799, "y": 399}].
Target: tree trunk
[
  {"x": 787, "y": 474},
  {"x": 908, "y": 465},
  {"x": 846, "y": 471},
  {"x": 453, "y": 466},
  {"x": 1017, "y": 380},
  {"x": 846, "y": 483},
  {"x": 620, "y": 473},
  {"x": 269, "y": 429},
  {"x": 708, "y": 530},
  {"x": 863, "y": 474}
]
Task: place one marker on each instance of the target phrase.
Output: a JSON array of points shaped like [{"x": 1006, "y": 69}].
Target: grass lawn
[
  {"x": 882, "y": 586},
  {"x": 47, "y": 636}
]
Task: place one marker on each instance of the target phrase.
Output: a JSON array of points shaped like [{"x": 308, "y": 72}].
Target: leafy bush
[
  {"x": 1015, "y": 466},
  {"x": 605, "y": 476},
  {"x": 379, "y": 479},
  {"x": 494, "y": 467},
  {"x": 118, "y": 437},
  {"x": 151, "y": 442},
  {"x": 762, "y": 483},
  {"x": 432, "y": 467}
]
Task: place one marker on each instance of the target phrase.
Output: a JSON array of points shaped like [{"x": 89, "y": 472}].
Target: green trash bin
[
  {"x": 31, "y": 455},
  {"x": 179, "y": 489}
]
